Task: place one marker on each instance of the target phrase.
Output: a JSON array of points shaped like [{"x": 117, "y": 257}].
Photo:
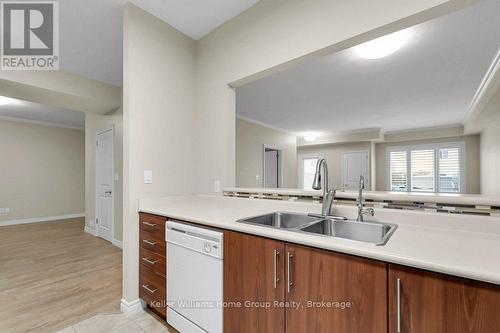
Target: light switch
[
  {"x": 148, "y": 176},
  {"x": 216, "y": 186},
  {"x": 117, "y": 177}
]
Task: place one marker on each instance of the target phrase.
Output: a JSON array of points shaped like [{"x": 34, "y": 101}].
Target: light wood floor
[{"x": 53, "y": 275}]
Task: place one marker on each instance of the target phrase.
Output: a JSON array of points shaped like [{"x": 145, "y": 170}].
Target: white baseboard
[
  {"x": 41, "y": 219},
  {"x": 117, "y": 243},
  {"x": 93, "y": 231},
  {"x": 131, "y": 307},
  {"x": 90, "y": 230}
]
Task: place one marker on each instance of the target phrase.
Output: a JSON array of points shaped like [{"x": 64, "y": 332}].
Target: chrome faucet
[
  {"x": 361, "y": 210},
  {"x": 328, "y": 195}
]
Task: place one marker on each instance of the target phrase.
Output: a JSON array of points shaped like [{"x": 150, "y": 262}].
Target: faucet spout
[
  {"x": 361, "y": 207},
  {"x": 328, "y": 195}
]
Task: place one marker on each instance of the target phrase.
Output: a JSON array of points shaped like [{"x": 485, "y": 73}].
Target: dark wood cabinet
[
  {"x": 332, "y": 292},
  {"x": 327, "y": 292},
  {"x": 253, "y": 282},
  {"x": 152, "y": 262},
  {"x": 437, "y": 303}
]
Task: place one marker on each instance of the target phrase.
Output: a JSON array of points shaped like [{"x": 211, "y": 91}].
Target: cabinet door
[
  {"x": 436, "y": 303},
  {"x": 254, "y": 279},
  {"x": 331, "y": 292}
]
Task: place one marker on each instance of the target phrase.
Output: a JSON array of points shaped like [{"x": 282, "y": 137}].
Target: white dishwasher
[{"x": 194, "y": 278}]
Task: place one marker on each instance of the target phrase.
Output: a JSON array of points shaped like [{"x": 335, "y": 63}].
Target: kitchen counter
[{"x": 460, "y": 245}]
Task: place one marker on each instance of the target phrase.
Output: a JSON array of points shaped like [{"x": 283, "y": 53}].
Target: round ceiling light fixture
[
  {"x": 383, "y": 46},
  {"x": 309, "y": 138}
]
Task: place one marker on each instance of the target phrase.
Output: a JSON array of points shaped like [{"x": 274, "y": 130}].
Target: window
[
  {"x": 307, "y": 169},
  {"x": 427, "y": 168}
]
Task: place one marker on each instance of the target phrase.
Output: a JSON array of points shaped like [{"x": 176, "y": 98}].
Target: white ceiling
[
  {"x": 34, "y": 112},
  {"x": 91, "y": 30},
  {"x": 430, "y": 82}
]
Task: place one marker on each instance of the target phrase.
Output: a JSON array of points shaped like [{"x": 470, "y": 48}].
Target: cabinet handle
[
  {"x": 149, "y": 224},
  {"x": 276, "y": 278},
  {"x": 149, "y": 242},
  {"x": 289, "y": 284},
  {"x": 151, "y": 291},
  {"x": 149, "y": 261},
  {"x": 398, "y": 305}
]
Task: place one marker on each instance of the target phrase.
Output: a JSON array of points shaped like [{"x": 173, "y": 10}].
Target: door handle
[
  {"x": 149, "y": 224},
  {"x": 276, "y": 278},
  {"x": 149, "y": 242},
  {"x": 289, "y": 283},
  {"x": 398, "y": 305},
  {"x": 151, "y": 291},
  {"x": 108, "y": 192},
  {"x": 149, "y": 261}
]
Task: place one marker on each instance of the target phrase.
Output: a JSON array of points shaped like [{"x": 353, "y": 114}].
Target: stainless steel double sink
[{"x": 370, "y": 232}]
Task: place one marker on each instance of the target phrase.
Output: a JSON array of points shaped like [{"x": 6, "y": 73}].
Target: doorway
[
  {"x": 354, "y": 165},
  {"x": 104, "y": 166},
  {"x": 272, "y": 168}
]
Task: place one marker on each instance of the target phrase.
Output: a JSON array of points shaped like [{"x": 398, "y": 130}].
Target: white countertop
[
  {"x": 461, "y": 245},
  {"x": 448, "y": 198}
]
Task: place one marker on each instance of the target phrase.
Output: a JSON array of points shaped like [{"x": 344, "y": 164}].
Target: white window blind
[
  {"x": 398, "y": 171},
  {"x": 422, "y": 170},
  {"x": 449, "y": 170},
  {"x": 427, "y": 168}
]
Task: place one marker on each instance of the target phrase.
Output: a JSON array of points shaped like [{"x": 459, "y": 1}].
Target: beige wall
[
  {"x": 42, "y": 170},
  {"x": 333, "y": 156},
  {"x": 472, "y": 163},
  {"x": 273, "y": 35},
  {"x": 490, "y": 159},
  {"x": 159, "y": 135},
  {"x": 168, "y": 76},
  {"x": 250, "y": 138},
  {"x": 94, "y": 123}
]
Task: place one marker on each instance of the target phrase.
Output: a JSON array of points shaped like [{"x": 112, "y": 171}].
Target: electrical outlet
[
  {"x": 217, "y": 188},
  {"x": 4, "y": 210}
]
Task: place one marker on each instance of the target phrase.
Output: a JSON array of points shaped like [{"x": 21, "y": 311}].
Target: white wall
[
  {"x": 178, "y": 107},
  {"x": 42, "y": 170},
  {"x": 94, "y": 123},
  {"x": 250, "y": 138},
  {"x": 490, "y": 159},
  {"x": 158, "y": 110}
]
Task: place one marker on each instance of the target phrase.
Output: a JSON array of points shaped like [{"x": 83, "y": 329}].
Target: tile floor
[{"x": 142, "y": 322}]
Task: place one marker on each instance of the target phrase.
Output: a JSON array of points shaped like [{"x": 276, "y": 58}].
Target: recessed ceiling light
[
  {"x": 383, "y": 46},
  {"x": 6, "y": 100},
  {"x": 309, "y": 138}
]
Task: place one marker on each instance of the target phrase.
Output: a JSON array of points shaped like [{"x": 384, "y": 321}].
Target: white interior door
[
  {"x": 271, "y": 166},
  {"x": 104, "y": 184},
  {"x": 354, "y": 165}
]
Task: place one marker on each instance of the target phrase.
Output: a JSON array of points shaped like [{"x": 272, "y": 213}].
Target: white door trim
[
  {"x": 368, "y": 166},
  {"x": 101, "y": 131}
]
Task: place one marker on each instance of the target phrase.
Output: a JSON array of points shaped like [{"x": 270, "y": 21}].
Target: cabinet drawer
[
  {"x": 152, "y": 223},
  {"x": 150, "y": 242},
  {"x": 152, "y": 289},
  {"x": 153, "y": 260}
]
